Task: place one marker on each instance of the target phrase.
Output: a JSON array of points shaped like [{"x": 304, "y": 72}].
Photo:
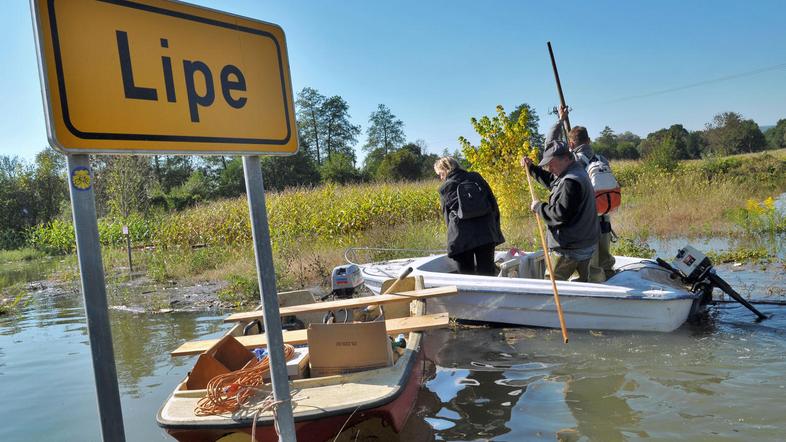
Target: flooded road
[{"x": 724, "y": 379}]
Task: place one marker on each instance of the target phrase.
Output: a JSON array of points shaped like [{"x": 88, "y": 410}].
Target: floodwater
[
  {"x": 15, "y": 272},
  {"x": 724, "y": 379}
]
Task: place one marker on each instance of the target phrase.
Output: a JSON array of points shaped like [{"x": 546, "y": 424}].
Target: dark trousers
[{"x": 477, "y": 261}]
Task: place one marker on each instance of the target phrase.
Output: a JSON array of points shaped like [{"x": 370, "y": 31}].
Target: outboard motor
[
  {"x": 345, "y": 279},
  {"x": 695, "y": 269}
]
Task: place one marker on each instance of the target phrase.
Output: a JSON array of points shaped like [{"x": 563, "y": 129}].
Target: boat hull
[
  {"x": 528, "y": 302},
  {"x": 322, "y": 406},
  {"x": 393, "y": 414}
]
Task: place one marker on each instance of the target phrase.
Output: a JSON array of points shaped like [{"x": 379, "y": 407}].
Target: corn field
[{"x": 325, "y": 213}]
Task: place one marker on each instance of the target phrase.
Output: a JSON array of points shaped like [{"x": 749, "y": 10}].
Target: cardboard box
[
  {"x": 297, "y": 366},
  {"x": 347, "y": 348}
]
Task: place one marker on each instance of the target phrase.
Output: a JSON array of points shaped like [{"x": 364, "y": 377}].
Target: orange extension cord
[{"x": 227, "y": 392}]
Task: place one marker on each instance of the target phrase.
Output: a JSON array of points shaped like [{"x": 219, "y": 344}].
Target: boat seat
[{"x": 530, "y": 265}]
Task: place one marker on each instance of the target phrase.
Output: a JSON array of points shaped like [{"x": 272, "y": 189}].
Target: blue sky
[{"x": 438, "y": 63}]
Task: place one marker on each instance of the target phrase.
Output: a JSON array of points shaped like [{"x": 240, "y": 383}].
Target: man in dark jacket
[
  {"x": 471, "y": 237},
  {"x": 570, "y": 213},
  {"x": 602, "y": 264}
]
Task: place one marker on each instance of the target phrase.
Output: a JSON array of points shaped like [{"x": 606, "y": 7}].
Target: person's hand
[
  {"x": 534, "y": 205},
  {"x": 562, "y": 112},
  {"x": 526, "y": 161}
]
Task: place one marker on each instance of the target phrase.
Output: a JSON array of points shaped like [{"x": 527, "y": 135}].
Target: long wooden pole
[
  {"x": 566, "y": 121},
  {"x": 548, "y": 261}
]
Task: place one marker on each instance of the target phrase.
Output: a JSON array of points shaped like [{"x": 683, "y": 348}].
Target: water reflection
[{"x": 524, "y": 384}]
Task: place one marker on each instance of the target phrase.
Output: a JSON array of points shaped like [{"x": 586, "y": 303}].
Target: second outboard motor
[
  {"x": 695, "y": 269},
  {"x": 344, "y": 280}
]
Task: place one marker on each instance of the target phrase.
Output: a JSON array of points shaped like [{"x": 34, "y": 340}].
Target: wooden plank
[
  {"x": 294, "y": 337},
  {"x": 349, "y": 303}
]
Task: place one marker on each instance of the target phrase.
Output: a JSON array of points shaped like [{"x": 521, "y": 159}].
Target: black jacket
[
  {"x": 467, "y": 234},
  {"x": 570, "y": 213}
]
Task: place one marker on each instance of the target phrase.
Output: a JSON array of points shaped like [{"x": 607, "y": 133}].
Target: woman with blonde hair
[{"x": 472, "y": 216}]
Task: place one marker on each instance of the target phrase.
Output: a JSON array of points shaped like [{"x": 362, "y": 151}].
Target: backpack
[
  {"x": 473, "y": 200},
  {"x": 604, "y": 183}
]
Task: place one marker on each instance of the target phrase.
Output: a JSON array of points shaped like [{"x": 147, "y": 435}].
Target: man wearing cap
[
  {"x": 602, "y": 264},
  {"x": 570, "y": 212}
]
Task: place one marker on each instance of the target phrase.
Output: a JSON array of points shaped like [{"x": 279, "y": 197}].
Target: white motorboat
[{"x": 640, "y": 296}]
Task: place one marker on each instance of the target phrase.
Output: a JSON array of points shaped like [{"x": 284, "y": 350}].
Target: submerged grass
[{"x": 25, "y": 254}]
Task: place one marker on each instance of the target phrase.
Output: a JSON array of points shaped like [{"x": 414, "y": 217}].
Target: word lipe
[{"x": 231, "y": 80}]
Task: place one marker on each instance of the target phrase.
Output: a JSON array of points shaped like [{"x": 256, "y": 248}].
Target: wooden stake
[{"x": 548, "y": 261}]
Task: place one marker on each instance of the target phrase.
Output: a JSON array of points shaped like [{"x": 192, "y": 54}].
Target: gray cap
[{"x": 555, "y": 148}]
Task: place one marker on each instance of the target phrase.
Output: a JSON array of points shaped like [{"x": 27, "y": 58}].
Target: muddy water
[{"x": 723, "y": 379}]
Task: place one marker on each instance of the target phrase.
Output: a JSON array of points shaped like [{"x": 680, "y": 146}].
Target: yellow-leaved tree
[{"x": 503, "y": 142}]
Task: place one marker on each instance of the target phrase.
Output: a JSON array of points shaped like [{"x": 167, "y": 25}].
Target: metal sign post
[
  {"x": 155, "y": 77},
  {"x": 91, "y": 272},
  {"x": 266, "y": 276}
]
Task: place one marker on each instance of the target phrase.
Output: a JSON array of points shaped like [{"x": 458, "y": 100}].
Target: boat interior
[
  {"x": 514, "y": 264},
  {"x": 321, "y": 360},
  {"x": 631, "y": 272}
]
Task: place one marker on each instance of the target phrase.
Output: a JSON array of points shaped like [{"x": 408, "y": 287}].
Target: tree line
[
  {"x": 36, "y": 192},
  {"x": 729, "y": 133}
]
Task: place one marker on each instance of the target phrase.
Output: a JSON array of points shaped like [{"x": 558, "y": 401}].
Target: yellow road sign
[{"x": 157, "y": 76}]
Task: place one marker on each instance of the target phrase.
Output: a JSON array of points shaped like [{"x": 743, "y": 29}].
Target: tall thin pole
[
  {"x": 91, "y": 272},
  {"x": 128, "y": 249},
  {"x": 548, "y": 262},
  {"x": 255, "y": 189},
  {"x": 566, "y": 121}
]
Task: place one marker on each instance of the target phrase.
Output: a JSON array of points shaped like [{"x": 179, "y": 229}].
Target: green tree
[
  {"x": 340, "y": 135},
  {"x": 372, "y": 161},
  {"x": 536, "y": 139},
  {"x": 309, "y": 119},
  {"x": 606, "y": 143},
  {"x": 628, "y": 145},
  {"x": 663, "y": 155},
  {"x": 51, "y": 189},
  {"x": 385, "y": 131},
  {"x": 403, "y": 164},
  {"x": 127, "y": 181},
  {"x": 17, "y": 201},
  {"x": 196, "y": 189},
  {"x": 231, "y": 181},
  {"x": 171, "y": 170},
  {"x": 729, "y": 133},
  {"x": 339, "y": 168},
  {"x": 776, "y": 136},
  {"x": 503, "y": 142},
  {"x": 426, "y": 161},
  {"x": 291, "y": 170},
  {"x": 681, "y": 142}
]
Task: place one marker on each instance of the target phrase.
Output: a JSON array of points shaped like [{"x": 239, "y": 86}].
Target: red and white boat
[{"x": 322, "y": 406}]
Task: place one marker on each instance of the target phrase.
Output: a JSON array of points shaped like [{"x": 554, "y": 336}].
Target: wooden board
[
  {"x": 294, "y": 337},
  {"x": 398, "y": 309},
  {"x": 349, "y": 303}
]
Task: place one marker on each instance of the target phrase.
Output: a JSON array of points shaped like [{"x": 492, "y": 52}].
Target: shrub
[{"x": 503, "y": 142}]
